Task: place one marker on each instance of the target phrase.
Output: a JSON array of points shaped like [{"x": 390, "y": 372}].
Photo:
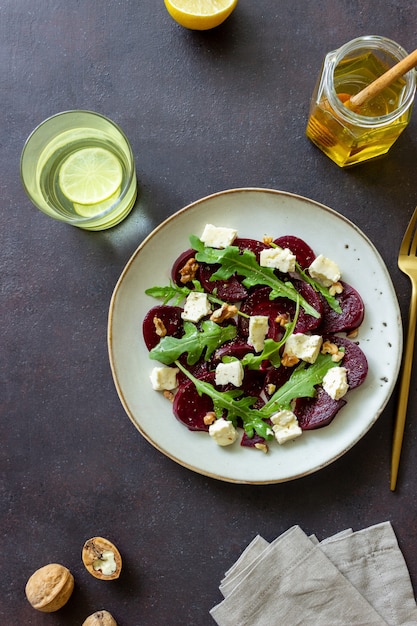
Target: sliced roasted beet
[
  {"x": 317, "y": 412},
  {"x": 305, "y": 321},
  {"x": 275, "y": 378},
  {"x": 235, "y": 348},
  {"x": 253, "y": 385},
  {"x": 179, "y": 264},
  {"x": 352, "y": 314},
  {"x": 198, "y": 370},
  {"x": 190, "y": 408},
  {"x": 230, "y": 290},
  {"x": 303, "y": 253},
  {"x": 171, "y": 319},
  {"x": 253, "y": 245},
  {"x": 354, "y": 360},
  {"x": 251, "y": 442}
]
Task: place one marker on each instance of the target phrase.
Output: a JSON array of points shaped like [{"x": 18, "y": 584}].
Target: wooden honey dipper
[{"x": 387, "y": 78}]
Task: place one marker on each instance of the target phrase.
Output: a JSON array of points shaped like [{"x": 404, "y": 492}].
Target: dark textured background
[{"x": 204, "y": 112}]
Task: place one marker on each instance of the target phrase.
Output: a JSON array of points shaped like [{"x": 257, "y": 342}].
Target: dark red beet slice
[
  {"x": 353, "y": 311},
  {"x": 317, "y": 412},
  {"x": 190, "y": 408},
  {"x": 253, "y": 245},
  {"x": 236, "y": 348},
  {"x": 303, "y": 253},
  {"x": 198, "y": 370},
  {"x": 171, "y": 318},
  {"x": 230, "y": 290},
  {"x": 179, "y": 264},
  {"x": 354, "y": 360},
  {"x": 250, "y": 442},
  {"x": 276, "y": 376}
]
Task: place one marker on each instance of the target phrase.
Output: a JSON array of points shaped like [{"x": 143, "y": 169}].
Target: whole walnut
[
  {"x": 50, "y": 587},
  {"x": 100, "y": 618}
]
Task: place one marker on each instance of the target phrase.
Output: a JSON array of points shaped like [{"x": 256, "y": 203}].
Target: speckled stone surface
[{"x": 204, "y": 112}]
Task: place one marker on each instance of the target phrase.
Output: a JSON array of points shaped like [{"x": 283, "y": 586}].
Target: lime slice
[{"x": 90, "y": 176}]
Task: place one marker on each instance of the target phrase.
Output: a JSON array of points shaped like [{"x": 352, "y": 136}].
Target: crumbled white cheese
[
  {"x": 223, "y": 432},
  {"x": 164, "y": 378},
  {"x": 285, "y": 426},
  {"x": 335, "y": 382},
  {"x": 324, "y": 271},
  {"x": 258, "y": 329},
  {"x": 196, "y": 306},
  {"x": 229, "y": 373},
  {"x": 281, "y": 259},
  {"x": 304, "y": 347},
  {"x": 217, "y": 236}
]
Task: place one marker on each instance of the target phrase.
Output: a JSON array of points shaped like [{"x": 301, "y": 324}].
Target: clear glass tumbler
[
  {"x": 78, "y": 167},
  {"x": 349, "y": 137}
]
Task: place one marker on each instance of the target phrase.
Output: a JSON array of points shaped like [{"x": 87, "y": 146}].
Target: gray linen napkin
[{"x": 349, "y": 579}]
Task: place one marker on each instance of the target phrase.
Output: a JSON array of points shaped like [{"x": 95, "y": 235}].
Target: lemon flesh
[
  {"x": 200, "y": 14},
  {"x": 91, "y": 176}
]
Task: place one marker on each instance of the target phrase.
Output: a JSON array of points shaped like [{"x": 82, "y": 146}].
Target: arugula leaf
[
  {"x": 234, "y": 406},
  {"x": 301, "y": 383},
  {"x": 232, "y": 261},
  {"x": 172, "y": 292},
  {"x": 195, "y": 342}
]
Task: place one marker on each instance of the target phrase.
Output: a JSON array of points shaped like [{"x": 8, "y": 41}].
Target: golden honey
[{"x": 350, "y": 137}]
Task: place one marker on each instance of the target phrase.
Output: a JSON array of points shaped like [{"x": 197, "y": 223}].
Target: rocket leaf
[
  {"x": 301, "y": 383},
  {"x": 194, "y": 342}
]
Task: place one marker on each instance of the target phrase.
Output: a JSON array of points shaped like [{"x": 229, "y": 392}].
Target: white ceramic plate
[{"x": 255, "y": 213}]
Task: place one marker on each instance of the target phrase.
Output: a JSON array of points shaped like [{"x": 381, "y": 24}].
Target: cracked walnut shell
[
  {"x": 102, "y": 559},
  {"x": 50, "y": 587},
  {"x": 100, "y": 618}
]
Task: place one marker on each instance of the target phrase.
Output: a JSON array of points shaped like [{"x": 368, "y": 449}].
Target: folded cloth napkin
[{"x": 349, "y": 579}]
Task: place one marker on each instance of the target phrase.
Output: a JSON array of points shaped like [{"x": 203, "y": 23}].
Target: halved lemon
[
  {"x": 90, "y": 176},
  {"x": 200, "y": 14}
]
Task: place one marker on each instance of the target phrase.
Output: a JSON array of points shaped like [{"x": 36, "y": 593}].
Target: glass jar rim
[{"x": 369, "y": 42}]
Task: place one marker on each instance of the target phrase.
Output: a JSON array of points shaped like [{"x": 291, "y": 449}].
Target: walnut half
[{"x": 102, "y": 559}]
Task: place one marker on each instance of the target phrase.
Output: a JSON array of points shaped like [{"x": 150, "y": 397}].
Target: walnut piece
[
  {"x": 160, "y": 329},
  {"x": 225, "y": 312},
  {"x": 102, "y": 559},
  {"x": 100, "y": 618},
  {"x": 50, "y": 587},
  {"x": 188, "y": 272}
]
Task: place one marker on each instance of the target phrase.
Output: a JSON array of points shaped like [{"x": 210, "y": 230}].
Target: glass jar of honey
[{"x": 351, "y": 136}]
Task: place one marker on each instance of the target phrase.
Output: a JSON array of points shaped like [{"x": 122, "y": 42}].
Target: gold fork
[{"x": 407, "y": 262}]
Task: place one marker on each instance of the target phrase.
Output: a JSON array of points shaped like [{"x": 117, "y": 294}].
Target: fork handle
[{"x": 404, "y": 389}]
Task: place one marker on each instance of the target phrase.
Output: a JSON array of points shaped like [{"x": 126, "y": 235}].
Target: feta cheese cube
[
  {"x": 258, "y": 329},
  {"x": 281, "y": 259},
  {"x": 324, "y": 271},
  {"x": 196, "y": 306},
  {"x": 164, "y": 378},
  {"x": 285, "y": 426},
  {"x": 229, "y": 373},
  {"x": 335, "y": 382},
  {"x": 223, "y": 432},
  {"x": 217, "y": 236},
  {"x": 304, "y": 347}
]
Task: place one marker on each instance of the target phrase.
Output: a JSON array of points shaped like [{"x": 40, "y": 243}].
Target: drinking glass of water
[{"x": 78, "y": 167}]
